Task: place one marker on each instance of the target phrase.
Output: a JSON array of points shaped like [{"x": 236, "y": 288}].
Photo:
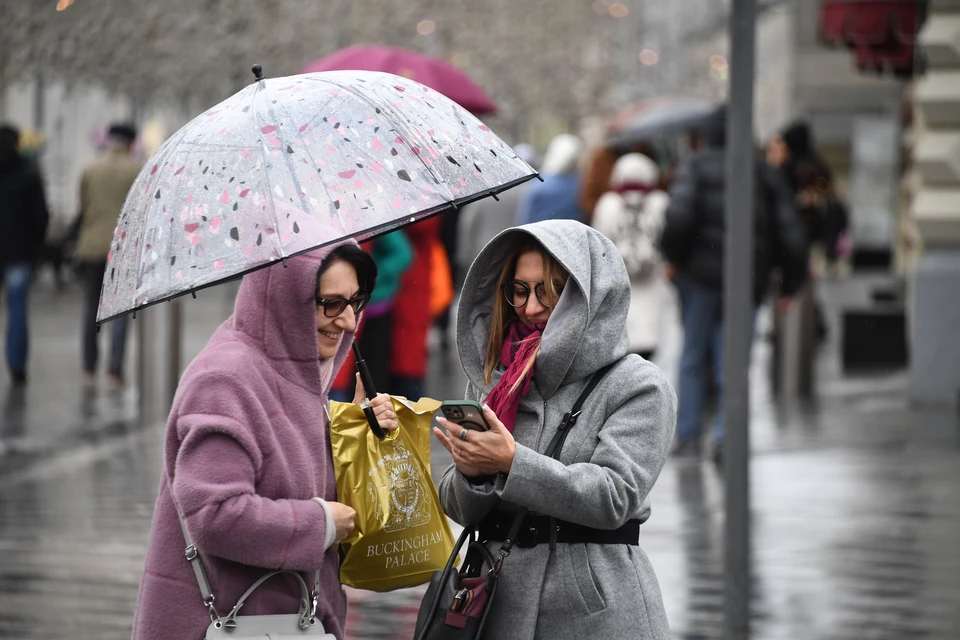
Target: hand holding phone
[
  {"x": 485, "y": 453},
  {"x": 466, "y": 413}
]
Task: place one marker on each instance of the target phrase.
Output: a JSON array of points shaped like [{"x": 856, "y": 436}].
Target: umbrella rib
[
  {"x": 406, "y": 137},
  {"x": 266, "y": 174}
]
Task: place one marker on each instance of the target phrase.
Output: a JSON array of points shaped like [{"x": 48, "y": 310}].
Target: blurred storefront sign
[{"x": 881, "y": 33}]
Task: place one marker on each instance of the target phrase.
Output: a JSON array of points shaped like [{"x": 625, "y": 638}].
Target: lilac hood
[{"x": 246, "y": 449}]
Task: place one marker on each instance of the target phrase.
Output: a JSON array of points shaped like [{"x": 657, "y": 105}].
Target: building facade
[{"x": 935, "y": 208}]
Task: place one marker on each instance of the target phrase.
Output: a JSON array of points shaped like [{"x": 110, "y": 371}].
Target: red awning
[{"x": 882, "y": 33}]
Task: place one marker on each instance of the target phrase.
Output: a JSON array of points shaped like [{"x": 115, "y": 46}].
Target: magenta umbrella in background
[{"x": 439, "y": 75}]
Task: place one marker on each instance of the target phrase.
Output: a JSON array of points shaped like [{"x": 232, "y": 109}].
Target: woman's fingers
[
  {"x": 382, "y": 407},
  {"x": 492, "y": 419},
  {"x": 471, "y": 447},
  {"x": 381, "y": 401},
  {"x": 359, "y": 395},
  {"x": 452, "y": 429},
  {"x": 459, "y": 450},
  {"x": 385, "y": 414},
  {"x": 443, "y": 439}
]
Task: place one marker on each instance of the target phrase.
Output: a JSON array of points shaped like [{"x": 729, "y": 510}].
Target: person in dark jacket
[
  {"x": 693, "y": 245},
  {"x": 822, "y": 212},
  {"x": 23, "y": 227}
]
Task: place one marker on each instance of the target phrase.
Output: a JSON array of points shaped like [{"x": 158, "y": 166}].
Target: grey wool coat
[{"x": 608, "y": 464}]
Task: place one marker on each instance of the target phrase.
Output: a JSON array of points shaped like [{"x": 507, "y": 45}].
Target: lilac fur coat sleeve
[
  {"x": 228, "y": 505},
  {"x": 226, "y": 518}
]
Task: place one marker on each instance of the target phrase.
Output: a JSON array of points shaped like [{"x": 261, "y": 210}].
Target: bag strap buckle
[
  {"x": 211, "y": 609},
  {"x": 569, "y": 419}
]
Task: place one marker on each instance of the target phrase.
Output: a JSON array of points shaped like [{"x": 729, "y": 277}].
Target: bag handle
[
  {"x": 306, "y": 617},
  {"x": 193, "y": 557}
]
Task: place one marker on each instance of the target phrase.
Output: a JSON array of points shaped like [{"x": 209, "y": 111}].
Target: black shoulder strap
[{"x": 570, "y": 417}]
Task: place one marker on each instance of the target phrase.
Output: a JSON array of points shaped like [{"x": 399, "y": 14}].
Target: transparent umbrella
[{"x": 291, "y": 164}]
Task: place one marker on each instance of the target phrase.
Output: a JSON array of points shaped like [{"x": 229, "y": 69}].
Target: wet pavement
[{"x": 856, "y": 501}]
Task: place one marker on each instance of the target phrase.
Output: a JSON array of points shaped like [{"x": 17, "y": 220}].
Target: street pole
[{"x": 738, "y": 319}]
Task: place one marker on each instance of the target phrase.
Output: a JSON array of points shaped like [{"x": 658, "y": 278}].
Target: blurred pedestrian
[
  {"x": 693, "y": 245},
  {"x": 596, "y": 180},
  {"x": 558, "y": 196},
  {"x": 632, "y": 216},
  {"x": 480, "y": 221},
  {"x": 810, "y": 179},
  {"x": 822, "y": 212},
  {"x": 248, "y": 470},
  {"x": 792, "y": 147},
  {"x": 23, "y": 221},
  {"x": 393, "y": 254},
  {"x": 543, "y": 311},
  {"x": 412, "y": 313},
  {"x": 103, "y": 189}
]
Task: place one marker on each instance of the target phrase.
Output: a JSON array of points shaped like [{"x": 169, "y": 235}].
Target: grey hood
[{"x": 587, "y": 329}]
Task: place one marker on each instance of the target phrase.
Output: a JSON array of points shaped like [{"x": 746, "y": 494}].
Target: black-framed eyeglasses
[
  {"x": 517, "y": 293},
  {"x": 332, "y": 307}
]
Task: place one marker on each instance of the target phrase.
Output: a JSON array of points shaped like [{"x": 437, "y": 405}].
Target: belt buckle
[{"x": 528, "y": 537}]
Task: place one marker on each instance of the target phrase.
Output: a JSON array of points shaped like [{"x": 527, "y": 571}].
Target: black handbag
[{"x": 458, "y": 601}]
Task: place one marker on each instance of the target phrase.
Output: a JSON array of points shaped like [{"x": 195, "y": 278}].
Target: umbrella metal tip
[{"x": 257, "y": 72}]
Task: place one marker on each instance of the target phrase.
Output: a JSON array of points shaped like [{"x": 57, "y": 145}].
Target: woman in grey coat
[{"x": 543, "y": 308}]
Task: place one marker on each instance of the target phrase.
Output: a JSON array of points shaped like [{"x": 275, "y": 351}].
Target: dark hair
[
  {"x": 357, "y": 258},
  {"x": 122, "y": 131},
  {"x": 799, "y": 138},
  {"x": 9, "y": 136}
]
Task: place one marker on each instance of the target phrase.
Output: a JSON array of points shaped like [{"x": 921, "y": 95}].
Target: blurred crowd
[
  {"x": 665, "y": 213},
  {"x": 27, "y": 246},
  {"x": 660, "y": 199}
]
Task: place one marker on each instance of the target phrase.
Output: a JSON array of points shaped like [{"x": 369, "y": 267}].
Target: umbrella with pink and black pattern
[{"x": 291, "y": 164}]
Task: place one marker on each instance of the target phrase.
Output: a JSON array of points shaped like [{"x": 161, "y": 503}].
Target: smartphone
[{"x": 466, "y": 413}]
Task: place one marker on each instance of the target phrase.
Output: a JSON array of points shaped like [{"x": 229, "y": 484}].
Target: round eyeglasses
[
  {"x": 517, "y": 293},
  {"x": 333, "y": 307}
]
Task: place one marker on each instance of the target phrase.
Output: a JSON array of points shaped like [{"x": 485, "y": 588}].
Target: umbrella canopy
[
  {"x": 290, "y": 164},
  {"x": 660, "y": 117},
  {"x": 437, "y": 74}
]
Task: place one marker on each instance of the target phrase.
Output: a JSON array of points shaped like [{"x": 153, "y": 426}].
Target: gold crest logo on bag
[{"x": 400, "y": 482}]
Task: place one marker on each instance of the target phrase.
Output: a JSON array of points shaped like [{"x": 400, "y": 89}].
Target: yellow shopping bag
[{"x": 402, "y": 535}]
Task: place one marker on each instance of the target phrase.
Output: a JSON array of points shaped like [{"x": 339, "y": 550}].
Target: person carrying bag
[
  {"x": 542, "y": 312},
  {"x": 456, "y": 603},
  {"x": 248, "y": 475}
]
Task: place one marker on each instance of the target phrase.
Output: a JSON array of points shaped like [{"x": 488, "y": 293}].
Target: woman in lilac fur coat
[{"x": 247, "y": 453}]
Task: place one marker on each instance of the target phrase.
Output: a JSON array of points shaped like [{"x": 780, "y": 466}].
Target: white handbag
[{"x": 303, "y": 624}]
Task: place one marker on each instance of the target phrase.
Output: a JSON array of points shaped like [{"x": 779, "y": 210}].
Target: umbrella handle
[{"x": 371, "y": 393}]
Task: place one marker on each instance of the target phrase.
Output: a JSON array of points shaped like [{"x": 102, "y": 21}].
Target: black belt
[{"x": 536, "y": 530}]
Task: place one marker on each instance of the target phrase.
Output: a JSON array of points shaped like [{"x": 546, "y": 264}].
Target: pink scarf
[{"x": 519, "y": 345}]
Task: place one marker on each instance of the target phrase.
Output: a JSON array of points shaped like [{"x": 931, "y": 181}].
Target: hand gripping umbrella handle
[{"x": 371, "y": 394}]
